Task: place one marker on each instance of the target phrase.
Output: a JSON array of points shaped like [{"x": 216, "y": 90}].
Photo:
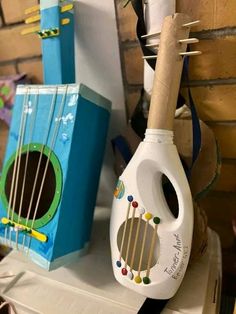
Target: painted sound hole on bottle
[
  {"x": 148, "y": 240},
  {"x": 48, "y": 190}
]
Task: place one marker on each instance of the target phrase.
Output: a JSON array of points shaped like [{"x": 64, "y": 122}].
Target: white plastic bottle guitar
[{"x": 150, "y": 247}]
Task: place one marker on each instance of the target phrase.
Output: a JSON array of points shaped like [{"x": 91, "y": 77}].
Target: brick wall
[
  {"x": 213, "y": 76},
  {"x": 18, "y": 54},
  {"x": 131, "y": 54}
]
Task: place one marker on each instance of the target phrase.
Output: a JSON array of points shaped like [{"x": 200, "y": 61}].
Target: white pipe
[{"x": 155, "y": 11}]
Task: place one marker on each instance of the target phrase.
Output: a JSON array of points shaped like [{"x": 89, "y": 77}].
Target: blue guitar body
[{"x": 54, "y": 154}]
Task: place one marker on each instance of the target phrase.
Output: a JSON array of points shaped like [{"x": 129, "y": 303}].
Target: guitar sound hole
[
  {"x": 170, "y": 196},
  {"x": 147, "y": 246},
  {"x": 30, "y": 196}
]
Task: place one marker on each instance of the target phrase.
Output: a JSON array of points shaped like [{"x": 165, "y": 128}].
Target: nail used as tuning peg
[
  {"x": 190, "y": 24},
  {"x": 152, "y": 45},
  {"x": 181, "y": 41},
  {"x": 149, "y": 57},
  {"x": 189, "y": 41},
  {"x": 151, "y": 35},
  {"x": 190, "y": 53}
]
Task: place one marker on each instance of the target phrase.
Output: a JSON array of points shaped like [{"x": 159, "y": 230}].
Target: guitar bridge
[
  {"x": 24, "y": 229},
  {"x": 46, "y": 33}
]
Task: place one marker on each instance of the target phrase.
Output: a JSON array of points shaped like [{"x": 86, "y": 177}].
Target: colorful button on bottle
[
  {"x": 146, "y": 280},
  {"x": 130, "y": 275},
  {"x": 135, "y": 204},
  {"x": 118, "y": 264},
  {"x": 156, "y": 220},
  {"x": 148, "y": 216},
  {"x": 141, "y": 211},
  {"x": 138, "y": 279},
  {"x": 130, "y": 198}
]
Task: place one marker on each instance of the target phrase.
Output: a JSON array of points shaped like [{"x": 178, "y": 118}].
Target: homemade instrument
[
  {"x": 150, "y": 244},
  {"x": 55, "y": 150}
]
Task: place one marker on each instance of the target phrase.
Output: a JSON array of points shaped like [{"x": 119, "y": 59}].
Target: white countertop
[{"x": 89, "y": 286}]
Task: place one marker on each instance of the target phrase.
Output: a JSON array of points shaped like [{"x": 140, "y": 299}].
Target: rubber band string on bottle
[
  {"x": 125, "y": 227},
  {"x": 132, "y": 234},
  {"x": 134, "y": 205}
]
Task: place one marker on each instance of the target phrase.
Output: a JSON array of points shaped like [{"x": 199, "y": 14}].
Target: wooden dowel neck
[{"x": 168, "y": 72}]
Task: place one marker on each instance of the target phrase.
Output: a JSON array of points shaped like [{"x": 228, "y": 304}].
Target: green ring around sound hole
[{"x": 35, "y": 147}]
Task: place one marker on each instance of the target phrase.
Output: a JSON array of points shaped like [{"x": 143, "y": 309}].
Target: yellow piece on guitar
[
  {"x": 33, "y": 9},
  {"x": 33, "y": 19},
  {"x": 36, "y": 29},
  {"x": 30, "y": 30},
  {"x": 67, "y": 7},
  {"x": 36, "y": 8},
  {"x": 33, "y": 233},
  {"x": 65, "y": 21}
]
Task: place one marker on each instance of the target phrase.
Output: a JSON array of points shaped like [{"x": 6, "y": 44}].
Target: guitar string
[
  {"x": 151, "y": 252},
  {"x": 14, "y": 167},
  {"x": 52, "y": 107},
  {"x": 124, "y": 231},
  {"x": 31, "y": 128},
  {"x": 142, "y": 249},
  {"x": 18, "y": 167},
  {"x": 53, "y": 141},
  {"x": 135, "y": 243},
  {"x": 129, "y": 238}
]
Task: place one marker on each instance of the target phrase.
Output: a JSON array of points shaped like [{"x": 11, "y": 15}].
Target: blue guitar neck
[{"x": 57, "y": 33}]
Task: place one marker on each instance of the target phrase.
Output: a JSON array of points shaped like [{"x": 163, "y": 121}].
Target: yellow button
[
  {"x": 148, "y": 216},
  {"x": 138, "y": 279}
]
